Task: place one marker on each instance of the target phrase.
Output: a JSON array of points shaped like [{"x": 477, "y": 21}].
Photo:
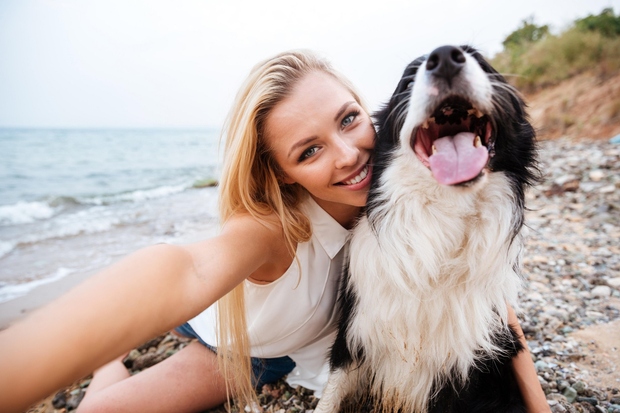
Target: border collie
[{"x": 434, "y": 261}]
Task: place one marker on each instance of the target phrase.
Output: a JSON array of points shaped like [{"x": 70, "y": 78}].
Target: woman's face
[{"x": 323, "y": 139}]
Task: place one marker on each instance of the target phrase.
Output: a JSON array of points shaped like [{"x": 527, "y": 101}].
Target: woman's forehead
[{"x": 315, "y": 98}]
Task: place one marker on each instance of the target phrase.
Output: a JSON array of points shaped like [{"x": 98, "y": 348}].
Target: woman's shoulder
[
  {"x": 249, "y": 234},
  {"x": 246, "y": 223},
  {"x": 245, "y": 245}
]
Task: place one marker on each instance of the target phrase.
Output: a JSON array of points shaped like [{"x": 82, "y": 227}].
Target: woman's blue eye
[
  {"x": 349, "y": 119},
  {"x": 308, "y": 153}
]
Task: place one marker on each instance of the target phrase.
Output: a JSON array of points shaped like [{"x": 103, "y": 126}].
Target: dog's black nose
[{"x": 445, "y": 62}]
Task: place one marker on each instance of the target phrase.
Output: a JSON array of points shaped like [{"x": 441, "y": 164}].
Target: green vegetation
[
  {"x": 205, "y": 183},
  {"x": 534, "y": 58},
  {"x": 527, "y": 33},
  {"x": 605, "y": 23}
]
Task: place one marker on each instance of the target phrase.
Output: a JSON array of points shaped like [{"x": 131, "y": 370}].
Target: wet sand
[{"x": 13, "y": 310}]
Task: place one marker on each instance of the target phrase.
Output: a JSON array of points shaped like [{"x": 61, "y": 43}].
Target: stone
[
  {"x": 60, "y": 400},
  {"x": 556, "y": 397},
  {"x": 561, "y": 180},
  {"x": 133, "y": 354},
  {"x": 556, "y": 407},
  {"x": 144, "y": 361},
  {"x": 540, "y": 365},
  {"x": 591, "y": 400},
  {"x": 601, "y": 291},
  {"x": 579, "y": 386},
  {"x": 614, "y": 282},
  {"x": 596, "y": 175},
  {"x": 570, "y": 394},
  {"x": 74, "y": 400}
]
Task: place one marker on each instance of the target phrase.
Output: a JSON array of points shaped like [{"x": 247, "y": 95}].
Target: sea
[{"x": 77, "y": 200}]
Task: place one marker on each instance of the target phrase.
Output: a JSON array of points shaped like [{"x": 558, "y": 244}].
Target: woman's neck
[{"x": 345, "y": 215}]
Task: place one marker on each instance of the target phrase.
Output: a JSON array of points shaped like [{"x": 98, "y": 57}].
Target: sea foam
[
  {"x": 138, "y": 195},
  {"x": 25, "y": 212},
  {"x": 10, "y": 292}
]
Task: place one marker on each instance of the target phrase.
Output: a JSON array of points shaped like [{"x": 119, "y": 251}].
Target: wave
[
  {"x": 89, "y": 221},
  {"x": 12, "y": 291},
  {"x": 25, "y": 212},
  {"x": 5, "y": 248},
  {"x": 138, "y": 195}
]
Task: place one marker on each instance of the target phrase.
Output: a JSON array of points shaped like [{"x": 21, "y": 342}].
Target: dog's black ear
[
  {"x": 408, "y": 78},
  {"x": 389, "y": 120}
]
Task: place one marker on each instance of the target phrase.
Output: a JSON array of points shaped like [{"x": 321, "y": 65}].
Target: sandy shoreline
[{"x": 12, "y": 310}]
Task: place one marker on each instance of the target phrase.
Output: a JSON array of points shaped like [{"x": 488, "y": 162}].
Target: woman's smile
[{"x": 359, "y": 179}]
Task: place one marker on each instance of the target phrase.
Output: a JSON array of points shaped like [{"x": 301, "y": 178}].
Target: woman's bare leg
[
  {"x": 188, "y": 381},
  {"x": 107, "y": 375}
]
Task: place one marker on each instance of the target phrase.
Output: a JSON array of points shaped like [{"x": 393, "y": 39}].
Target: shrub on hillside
[
  {"x": 605, "y": 23},
  {"x": 529, "y": 32},
  {"x": 545, "y": 59}
]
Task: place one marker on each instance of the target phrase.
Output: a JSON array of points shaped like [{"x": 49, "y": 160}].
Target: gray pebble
[
  {"x": 579, "y": 386},
  {"x": 601, "y": 291},
  {"x": 540, "y": 365},
  {"x": 570, "y": 394}
]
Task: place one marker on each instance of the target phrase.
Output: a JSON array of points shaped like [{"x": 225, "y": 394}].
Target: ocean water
[{"x": 75, "y": 200}]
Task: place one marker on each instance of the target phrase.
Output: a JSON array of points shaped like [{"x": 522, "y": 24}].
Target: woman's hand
[{"x": 525, "y": 372}]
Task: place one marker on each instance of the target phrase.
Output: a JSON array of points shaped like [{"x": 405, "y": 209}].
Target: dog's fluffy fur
[{"x": 432, "y": 267}]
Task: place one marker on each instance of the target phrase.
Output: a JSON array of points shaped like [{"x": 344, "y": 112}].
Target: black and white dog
[{"x": 434, "y": 261}]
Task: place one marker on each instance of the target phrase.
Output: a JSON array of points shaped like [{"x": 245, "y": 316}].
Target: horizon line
[{"x": 202, "y": 127}]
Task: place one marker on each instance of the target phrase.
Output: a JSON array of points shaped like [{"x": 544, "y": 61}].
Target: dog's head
[{"x": 460, "y": 120}]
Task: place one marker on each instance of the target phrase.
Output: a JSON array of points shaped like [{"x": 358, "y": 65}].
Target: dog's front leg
[{"x": 341, "y": 383}]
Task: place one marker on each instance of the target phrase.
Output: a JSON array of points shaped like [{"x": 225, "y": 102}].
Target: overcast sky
[{"x": 155, "y": 63}]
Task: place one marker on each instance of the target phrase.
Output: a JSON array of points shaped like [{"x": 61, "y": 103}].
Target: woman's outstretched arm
[
  {"x": 525, "y": 372},
  {"x": 140, "y": 297}
]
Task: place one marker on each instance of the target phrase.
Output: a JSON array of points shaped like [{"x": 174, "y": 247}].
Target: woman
[{"x": 295, "y": 176}]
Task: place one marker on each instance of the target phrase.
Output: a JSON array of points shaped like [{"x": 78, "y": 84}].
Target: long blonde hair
[{"x": 250, "y": 184}]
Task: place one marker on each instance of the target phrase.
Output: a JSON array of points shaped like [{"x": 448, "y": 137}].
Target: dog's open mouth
[{"x": 455, "y": 142}]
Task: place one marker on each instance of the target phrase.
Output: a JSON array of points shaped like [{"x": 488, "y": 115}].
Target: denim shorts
[{"x": 264, "y": 371}]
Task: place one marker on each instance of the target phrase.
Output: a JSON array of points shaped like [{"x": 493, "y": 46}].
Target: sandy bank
[{"x": 17, "y": 308}]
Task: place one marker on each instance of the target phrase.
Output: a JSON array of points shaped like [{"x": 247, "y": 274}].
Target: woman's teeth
[{"x": 358, "y": 178}]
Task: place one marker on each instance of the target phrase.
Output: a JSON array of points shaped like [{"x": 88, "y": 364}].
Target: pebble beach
[{"x": 570, "y": 303}]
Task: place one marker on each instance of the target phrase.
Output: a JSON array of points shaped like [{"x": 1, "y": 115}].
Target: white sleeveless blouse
[{"x": 295, "y": 315}]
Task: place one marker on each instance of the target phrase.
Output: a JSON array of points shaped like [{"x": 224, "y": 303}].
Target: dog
[{"x": 434, "y": 260}]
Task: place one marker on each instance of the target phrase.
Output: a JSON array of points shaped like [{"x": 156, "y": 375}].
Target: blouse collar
[{"x": 331, "y": 235}]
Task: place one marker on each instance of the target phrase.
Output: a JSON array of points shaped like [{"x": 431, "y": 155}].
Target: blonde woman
[{"x": 296, "y": 173}]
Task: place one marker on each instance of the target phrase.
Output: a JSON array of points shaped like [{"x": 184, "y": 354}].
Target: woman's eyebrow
[{"x": 343, "y": 108}]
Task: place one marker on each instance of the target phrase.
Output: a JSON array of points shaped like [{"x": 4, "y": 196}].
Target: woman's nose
[{"x": 347, "y": 153}]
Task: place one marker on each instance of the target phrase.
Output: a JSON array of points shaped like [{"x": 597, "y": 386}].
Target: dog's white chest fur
[{"x": 435, "y": 278}]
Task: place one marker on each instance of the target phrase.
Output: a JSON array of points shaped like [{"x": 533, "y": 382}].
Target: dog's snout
[{"x": 445, "y": 62}]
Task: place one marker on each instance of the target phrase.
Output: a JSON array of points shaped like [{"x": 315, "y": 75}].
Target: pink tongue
[{"x": 457, "y": 159}]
